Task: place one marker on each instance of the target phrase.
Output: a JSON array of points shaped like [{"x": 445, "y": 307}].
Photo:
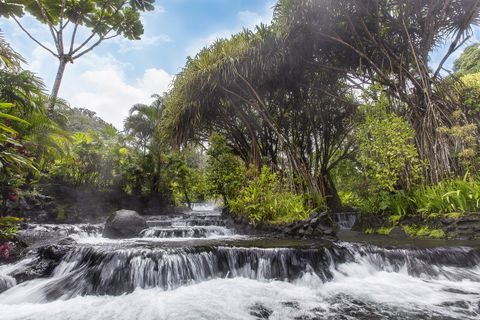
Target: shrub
[
  {"x": 8, "y": 228},
  {"x": 265, "y": 199}
]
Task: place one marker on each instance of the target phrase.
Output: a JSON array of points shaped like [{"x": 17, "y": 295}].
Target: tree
[
  {"x": 271, "y": 106},
  {"x": 469, "y": 61},
  {"x": 389, "y": 42},
  {"x": 106, "y": 19},
  {"x": 386, "y": 148},
  {"x": 142, "y": 124},
  {"x": 224, "y": 171}
]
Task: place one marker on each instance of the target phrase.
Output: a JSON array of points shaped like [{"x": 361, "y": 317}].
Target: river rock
[
  {"x": 398, "y": 233},
  {"x": 6, "y": 282},
  {"x": 124, "y": 224}
]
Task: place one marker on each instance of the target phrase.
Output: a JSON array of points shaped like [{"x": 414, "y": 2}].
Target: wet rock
[
  {"x": 6, "y": 282},
  {"x": 124, "y": 224},
  {"x": 40, "y": 268},
  {"x": 398, "y": 233},
  {"x": 56, "y": 251},
  {"x": 291, "y": 304},
  {"x": 43, "y": 217},
  {"x": 259, "y": 311}
]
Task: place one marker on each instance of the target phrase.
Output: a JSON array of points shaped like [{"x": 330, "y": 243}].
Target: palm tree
[{"x": 142, "y": 124}]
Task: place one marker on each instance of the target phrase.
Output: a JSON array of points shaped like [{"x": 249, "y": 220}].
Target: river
[{"x": 191, "y": 266}]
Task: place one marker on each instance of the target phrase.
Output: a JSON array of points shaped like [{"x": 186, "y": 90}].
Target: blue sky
[{"x": 120, "y": 73}]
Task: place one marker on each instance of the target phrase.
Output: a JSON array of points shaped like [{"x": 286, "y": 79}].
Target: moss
[
  {"x": 454, "y": 215},
  {"x": 411, "y": 231},
  {"x": 381, "y": 230},
  {"x": 437, "y": 234},
  {"x": 384, "y": 230},
  {"x": 424, "y": 232},
  {"x": 61, "y": 213}
]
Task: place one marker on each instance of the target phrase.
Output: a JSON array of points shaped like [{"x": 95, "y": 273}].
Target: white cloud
[
  {"x": 100, "y": 83},
  {"x": 251, "y": 19},
  {"x": 105, "y": 90},
  {"x": 126, "y": 45}
]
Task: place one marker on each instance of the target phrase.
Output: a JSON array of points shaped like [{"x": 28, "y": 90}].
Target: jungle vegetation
[{"x": 334, "y": 104}]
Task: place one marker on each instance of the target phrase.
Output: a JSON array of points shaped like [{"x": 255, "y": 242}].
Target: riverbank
[{"x": 455, "y": 226}]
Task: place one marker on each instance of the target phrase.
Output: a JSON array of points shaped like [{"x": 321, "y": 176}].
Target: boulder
[
  {"x": 398, "y": 233},
  {"x": 6, "y": 282},
  {"x": 124, "y": 224}
]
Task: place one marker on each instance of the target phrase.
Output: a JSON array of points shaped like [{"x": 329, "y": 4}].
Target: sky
[{"x": 120, "y": 73}]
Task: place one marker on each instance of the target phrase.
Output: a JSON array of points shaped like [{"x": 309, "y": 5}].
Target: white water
[
  {"x": 391, "y": 293},
  {"x": 222, "y": 282}
]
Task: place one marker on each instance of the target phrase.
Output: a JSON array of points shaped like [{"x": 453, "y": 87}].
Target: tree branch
[
  {"x": 96, "y": 26},
  {"x": 31, "y": 37},
  {"x": 53, "y": 31},
  {"x": 93, "y": 46}
]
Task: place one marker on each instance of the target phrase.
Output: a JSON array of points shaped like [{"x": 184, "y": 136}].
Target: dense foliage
[
  {"x": 341, "y": 117},
  {"x": 264, "y": 198},
  {"x": 333, "y": 104}
]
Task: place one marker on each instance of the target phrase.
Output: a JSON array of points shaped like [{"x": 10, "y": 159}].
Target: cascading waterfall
[
  {"x": 212, "y": 274},
  {"x": 345, "y": 220}
]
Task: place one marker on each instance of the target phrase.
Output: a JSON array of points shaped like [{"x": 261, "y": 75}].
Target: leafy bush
[
  {"x": 224, "y": 171},
  {"x": 447, "y": 197},
  {"x": 386, "y": 148},
  {"x": 8, "y": 228},
  {"x": 265, "y": 199}
]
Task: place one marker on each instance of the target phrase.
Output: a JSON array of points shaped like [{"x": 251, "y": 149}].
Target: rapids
[{"x": 192, "y": 266}]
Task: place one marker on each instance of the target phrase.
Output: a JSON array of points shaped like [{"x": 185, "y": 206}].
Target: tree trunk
[
  {"x": 56, "y": 86},
  {"x": 187, "y": 198}
]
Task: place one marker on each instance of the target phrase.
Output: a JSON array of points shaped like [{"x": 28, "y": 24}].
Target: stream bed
[{"x": 191, "y": 266}]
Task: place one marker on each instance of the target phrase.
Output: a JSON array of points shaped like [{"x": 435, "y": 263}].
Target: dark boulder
[
  {"x": 124, "y": 224},
  {"x": 398, "y": 233},
  {"x": 6, "y": 282}
]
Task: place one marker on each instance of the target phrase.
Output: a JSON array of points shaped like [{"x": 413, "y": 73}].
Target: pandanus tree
[
  {"x": 299, "y": 116},
  {"x": 65, "y": 19},
  {"x": 389, "y": 42}
]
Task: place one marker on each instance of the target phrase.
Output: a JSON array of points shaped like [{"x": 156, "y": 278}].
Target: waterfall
[
  {"x": 191, "y": 266},
  {"x": 345, "y": 220}
]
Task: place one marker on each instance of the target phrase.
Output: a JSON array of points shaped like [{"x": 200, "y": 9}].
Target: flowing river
[{"x": 191, "y": 266}]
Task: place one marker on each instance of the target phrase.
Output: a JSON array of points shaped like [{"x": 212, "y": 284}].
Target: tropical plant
[
  {"x": 224, "y": 171},
  {"x": 386, "y": 148},
  {"x": 265, "y": 199},
  {"x": 469, "y": 61},
  {"x": 342, "y": 37}
]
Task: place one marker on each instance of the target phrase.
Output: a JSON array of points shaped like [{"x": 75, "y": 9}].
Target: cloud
[
  {"x": 250, "y": 19},
  {"x": 126, "y": 45},
  {"x": 100, "y": 83},
  {"x": 105, "y": 89}
]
